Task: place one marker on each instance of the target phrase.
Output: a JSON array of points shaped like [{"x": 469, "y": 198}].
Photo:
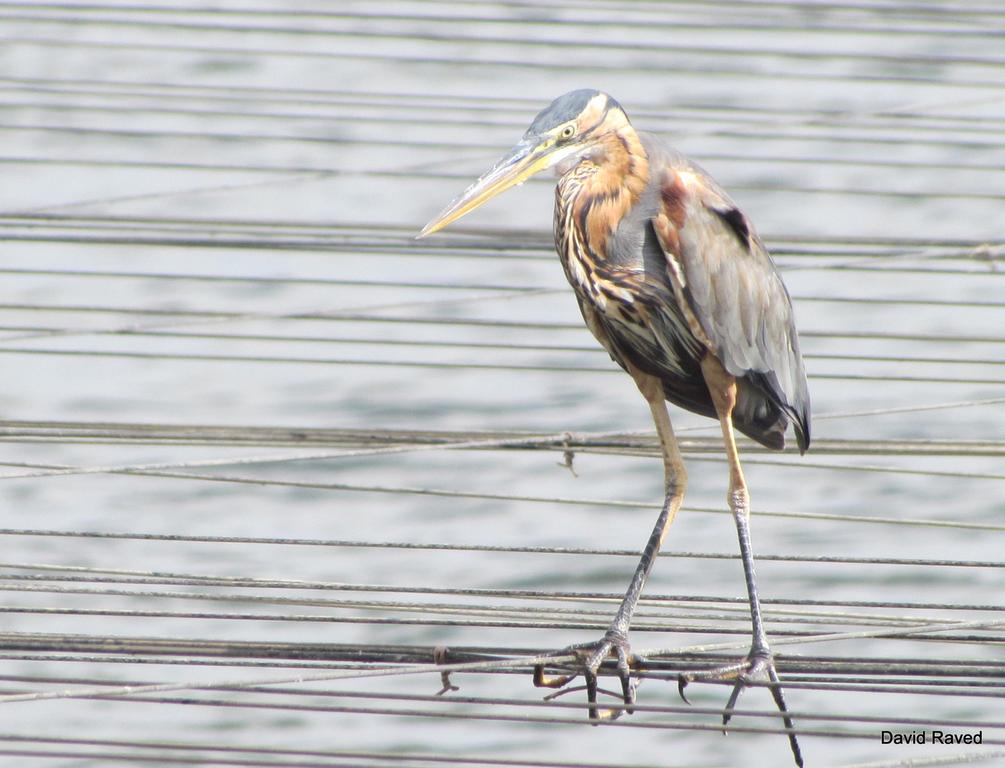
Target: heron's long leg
[
  {"x": 759, "y": 662},
  {"x": 616, "y": 638},
  {"x": 724, "y": 398},
  {"x": 674, "y": 486}
]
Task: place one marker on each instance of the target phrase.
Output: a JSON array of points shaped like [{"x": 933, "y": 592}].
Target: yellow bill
[{"x": 515, "y": 167}]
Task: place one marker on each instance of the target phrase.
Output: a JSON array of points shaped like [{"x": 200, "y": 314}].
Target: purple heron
[{"x": 676, "y": 285}]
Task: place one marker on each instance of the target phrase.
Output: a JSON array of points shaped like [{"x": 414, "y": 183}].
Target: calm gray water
[{"x": 831, "y": 126}]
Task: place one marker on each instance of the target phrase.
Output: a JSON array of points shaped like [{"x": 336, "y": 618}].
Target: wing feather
[{"x": 724, "y": 274}]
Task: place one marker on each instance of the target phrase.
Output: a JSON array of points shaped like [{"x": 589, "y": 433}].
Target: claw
[
  {"x": 564, "y": 691},
  {"x": 776, "y": 693},
  {"x": 541, "y": 680},
  {"x": 628, "y": 686},
  {"x": 591, "y": 693},
  {"x": 682, "y": 682},
  {"x": 591, "y": 657},
  {"x": 757, "y": 666},
  {"x": 727, "y": 713}
]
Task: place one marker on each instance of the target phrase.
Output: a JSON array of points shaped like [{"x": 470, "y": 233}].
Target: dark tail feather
[{"x": 762, "y": 414}]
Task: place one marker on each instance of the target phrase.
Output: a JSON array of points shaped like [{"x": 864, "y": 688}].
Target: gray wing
[{"x": 734, "y": 291}]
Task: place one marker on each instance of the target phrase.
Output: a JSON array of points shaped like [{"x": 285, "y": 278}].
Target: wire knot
[{"x": 568, "y": 455}]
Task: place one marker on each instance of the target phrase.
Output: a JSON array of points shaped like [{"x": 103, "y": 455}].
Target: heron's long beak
[{"x": 515, "y": 167}]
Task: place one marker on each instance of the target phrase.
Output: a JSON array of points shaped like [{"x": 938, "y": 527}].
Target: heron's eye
[{"x": 567, "y": 133}]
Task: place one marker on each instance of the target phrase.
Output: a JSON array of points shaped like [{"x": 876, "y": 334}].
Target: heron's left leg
[
  {"x": 615, "y": 640},
  {"x": 759, "y": 664}
]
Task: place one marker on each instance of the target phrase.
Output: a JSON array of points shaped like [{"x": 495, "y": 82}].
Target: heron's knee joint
[
  {"x": 675, "y": 486},
  {"x": 675, "y": 474},
  {"x": 739, "y": 501}
]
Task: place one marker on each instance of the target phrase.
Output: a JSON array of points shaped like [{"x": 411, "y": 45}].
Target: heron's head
[{"x": 568, "y": 130}]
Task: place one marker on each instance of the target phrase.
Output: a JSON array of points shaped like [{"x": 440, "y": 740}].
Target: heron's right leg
[
  {"x": 615, "y": 640},
  {"x": 759, "y": 664}
]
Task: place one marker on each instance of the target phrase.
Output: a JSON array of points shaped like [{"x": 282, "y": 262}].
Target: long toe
[{"x": 757, "y": 667}]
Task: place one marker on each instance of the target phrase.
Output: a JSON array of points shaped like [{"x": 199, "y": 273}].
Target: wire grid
[{"x": 274, "y": 468}]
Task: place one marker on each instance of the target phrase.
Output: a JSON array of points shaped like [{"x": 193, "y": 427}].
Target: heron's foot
[
  {"x": 590, "y": 656},
  {"x": 757, "y": 667}
]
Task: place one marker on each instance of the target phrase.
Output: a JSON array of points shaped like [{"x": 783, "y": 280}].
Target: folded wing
[{"x": 723, "y": 273}]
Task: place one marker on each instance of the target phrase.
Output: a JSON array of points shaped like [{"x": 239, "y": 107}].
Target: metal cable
[
  {"x": 463, "y": 366},
  {"x": 690, "y": 120},
  {"x": 468, "y": 714},
  {"x": 45, "y": 470},
  {"x": 488, "y": 104},
  {"x": 22, "y": 332},
  {"x": 43, "y": 572},
  {"x": 486, "y": 150},
  {"x": 624, "y": 20},
  {"x": 498, "y": 548}
]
